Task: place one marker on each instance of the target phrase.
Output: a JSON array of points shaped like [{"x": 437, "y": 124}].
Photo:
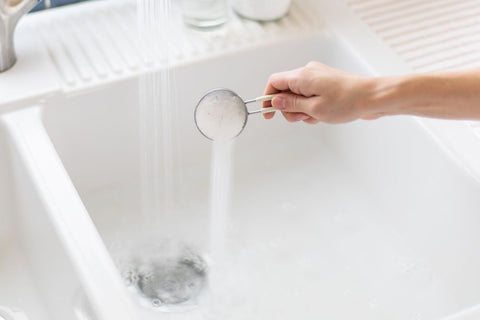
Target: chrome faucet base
[{"x": 10, "y": 12}]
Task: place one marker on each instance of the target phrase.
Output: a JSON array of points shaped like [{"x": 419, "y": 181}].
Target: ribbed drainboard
[
  {"x": 430, "y": 35},
  {"x": 98, "y": 42}
]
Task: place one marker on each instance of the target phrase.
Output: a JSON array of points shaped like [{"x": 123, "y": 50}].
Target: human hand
[{"x": 317, "y": 93}]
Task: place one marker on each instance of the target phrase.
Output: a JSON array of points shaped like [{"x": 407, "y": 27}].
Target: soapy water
[
  {"x": 182, "y": 283},
  {"x": 301, "y": 265},
  {"x": 166, "y": 277}
]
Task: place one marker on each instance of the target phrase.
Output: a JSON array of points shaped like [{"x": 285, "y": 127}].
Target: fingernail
[{"x": 278, "y": 103}]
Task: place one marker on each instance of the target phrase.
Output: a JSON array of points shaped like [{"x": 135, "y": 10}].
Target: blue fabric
[{"x": 54, "y": 3}]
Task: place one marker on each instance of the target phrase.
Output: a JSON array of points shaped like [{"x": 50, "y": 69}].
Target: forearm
[{"x": 452, "y": 95}]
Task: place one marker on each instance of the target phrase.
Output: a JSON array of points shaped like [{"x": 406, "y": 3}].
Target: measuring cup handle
[
  {"x": 261, "y": 98},
  {"x": 264, "y": 110},
  {"x": 266, "y": 98}
]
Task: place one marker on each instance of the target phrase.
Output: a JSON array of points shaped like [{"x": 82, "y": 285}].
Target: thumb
[{"x": 290, "y": 102}]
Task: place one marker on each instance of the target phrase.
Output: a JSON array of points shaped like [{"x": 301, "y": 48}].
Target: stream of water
[
  {"x": 174, "y": 274},
  {"x": 156, "y": 111}
]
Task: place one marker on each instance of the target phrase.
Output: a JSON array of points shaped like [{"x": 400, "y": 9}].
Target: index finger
[
  {"x": 269, "y": 89},
  {"x": 277, "y": 82},
  {"x": 282, "y": 81}
]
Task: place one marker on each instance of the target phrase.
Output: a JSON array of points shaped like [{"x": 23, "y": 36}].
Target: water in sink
[
  {"x": 294, "y": 257},
  {"x": 167, "y": 277}
]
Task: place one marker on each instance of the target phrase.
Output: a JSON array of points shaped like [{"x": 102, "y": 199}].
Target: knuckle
[
  {"x": 312, "y": 106},
  {"x": 295, "y": 103}
]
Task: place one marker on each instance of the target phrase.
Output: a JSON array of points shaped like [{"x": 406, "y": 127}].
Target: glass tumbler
[{"x": 204, "y": 13}]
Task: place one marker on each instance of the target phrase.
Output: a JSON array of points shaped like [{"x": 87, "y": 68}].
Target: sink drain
[{"x": 169, "y": 280}]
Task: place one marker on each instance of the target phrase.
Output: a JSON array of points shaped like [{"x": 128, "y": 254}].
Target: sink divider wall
[{"x": 61, "y": 237}]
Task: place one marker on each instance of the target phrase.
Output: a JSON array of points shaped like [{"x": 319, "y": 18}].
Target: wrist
[{"x": 380, "y": 97}]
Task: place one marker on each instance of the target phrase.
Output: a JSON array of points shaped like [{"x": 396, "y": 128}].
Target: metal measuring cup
[{"x": 221, "y": 114}]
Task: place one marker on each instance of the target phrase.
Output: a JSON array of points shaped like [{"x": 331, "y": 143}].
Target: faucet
[{"x": 10, "y": 12}]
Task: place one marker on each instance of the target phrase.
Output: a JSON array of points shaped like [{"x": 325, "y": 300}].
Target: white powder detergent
[{"x": 221, "y": 115}]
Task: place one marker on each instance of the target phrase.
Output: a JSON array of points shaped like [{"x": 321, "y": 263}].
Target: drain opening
[{"x": 169, "y": 281}]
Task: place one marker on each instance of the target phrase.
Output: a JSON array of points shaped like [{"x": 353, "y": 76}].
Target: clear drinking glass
[{"x": 204, "y": 13}]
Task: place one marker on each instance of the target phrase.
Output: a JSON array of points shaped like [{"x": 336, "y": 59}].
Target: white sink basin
[{"x": 367, "y": 220}]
